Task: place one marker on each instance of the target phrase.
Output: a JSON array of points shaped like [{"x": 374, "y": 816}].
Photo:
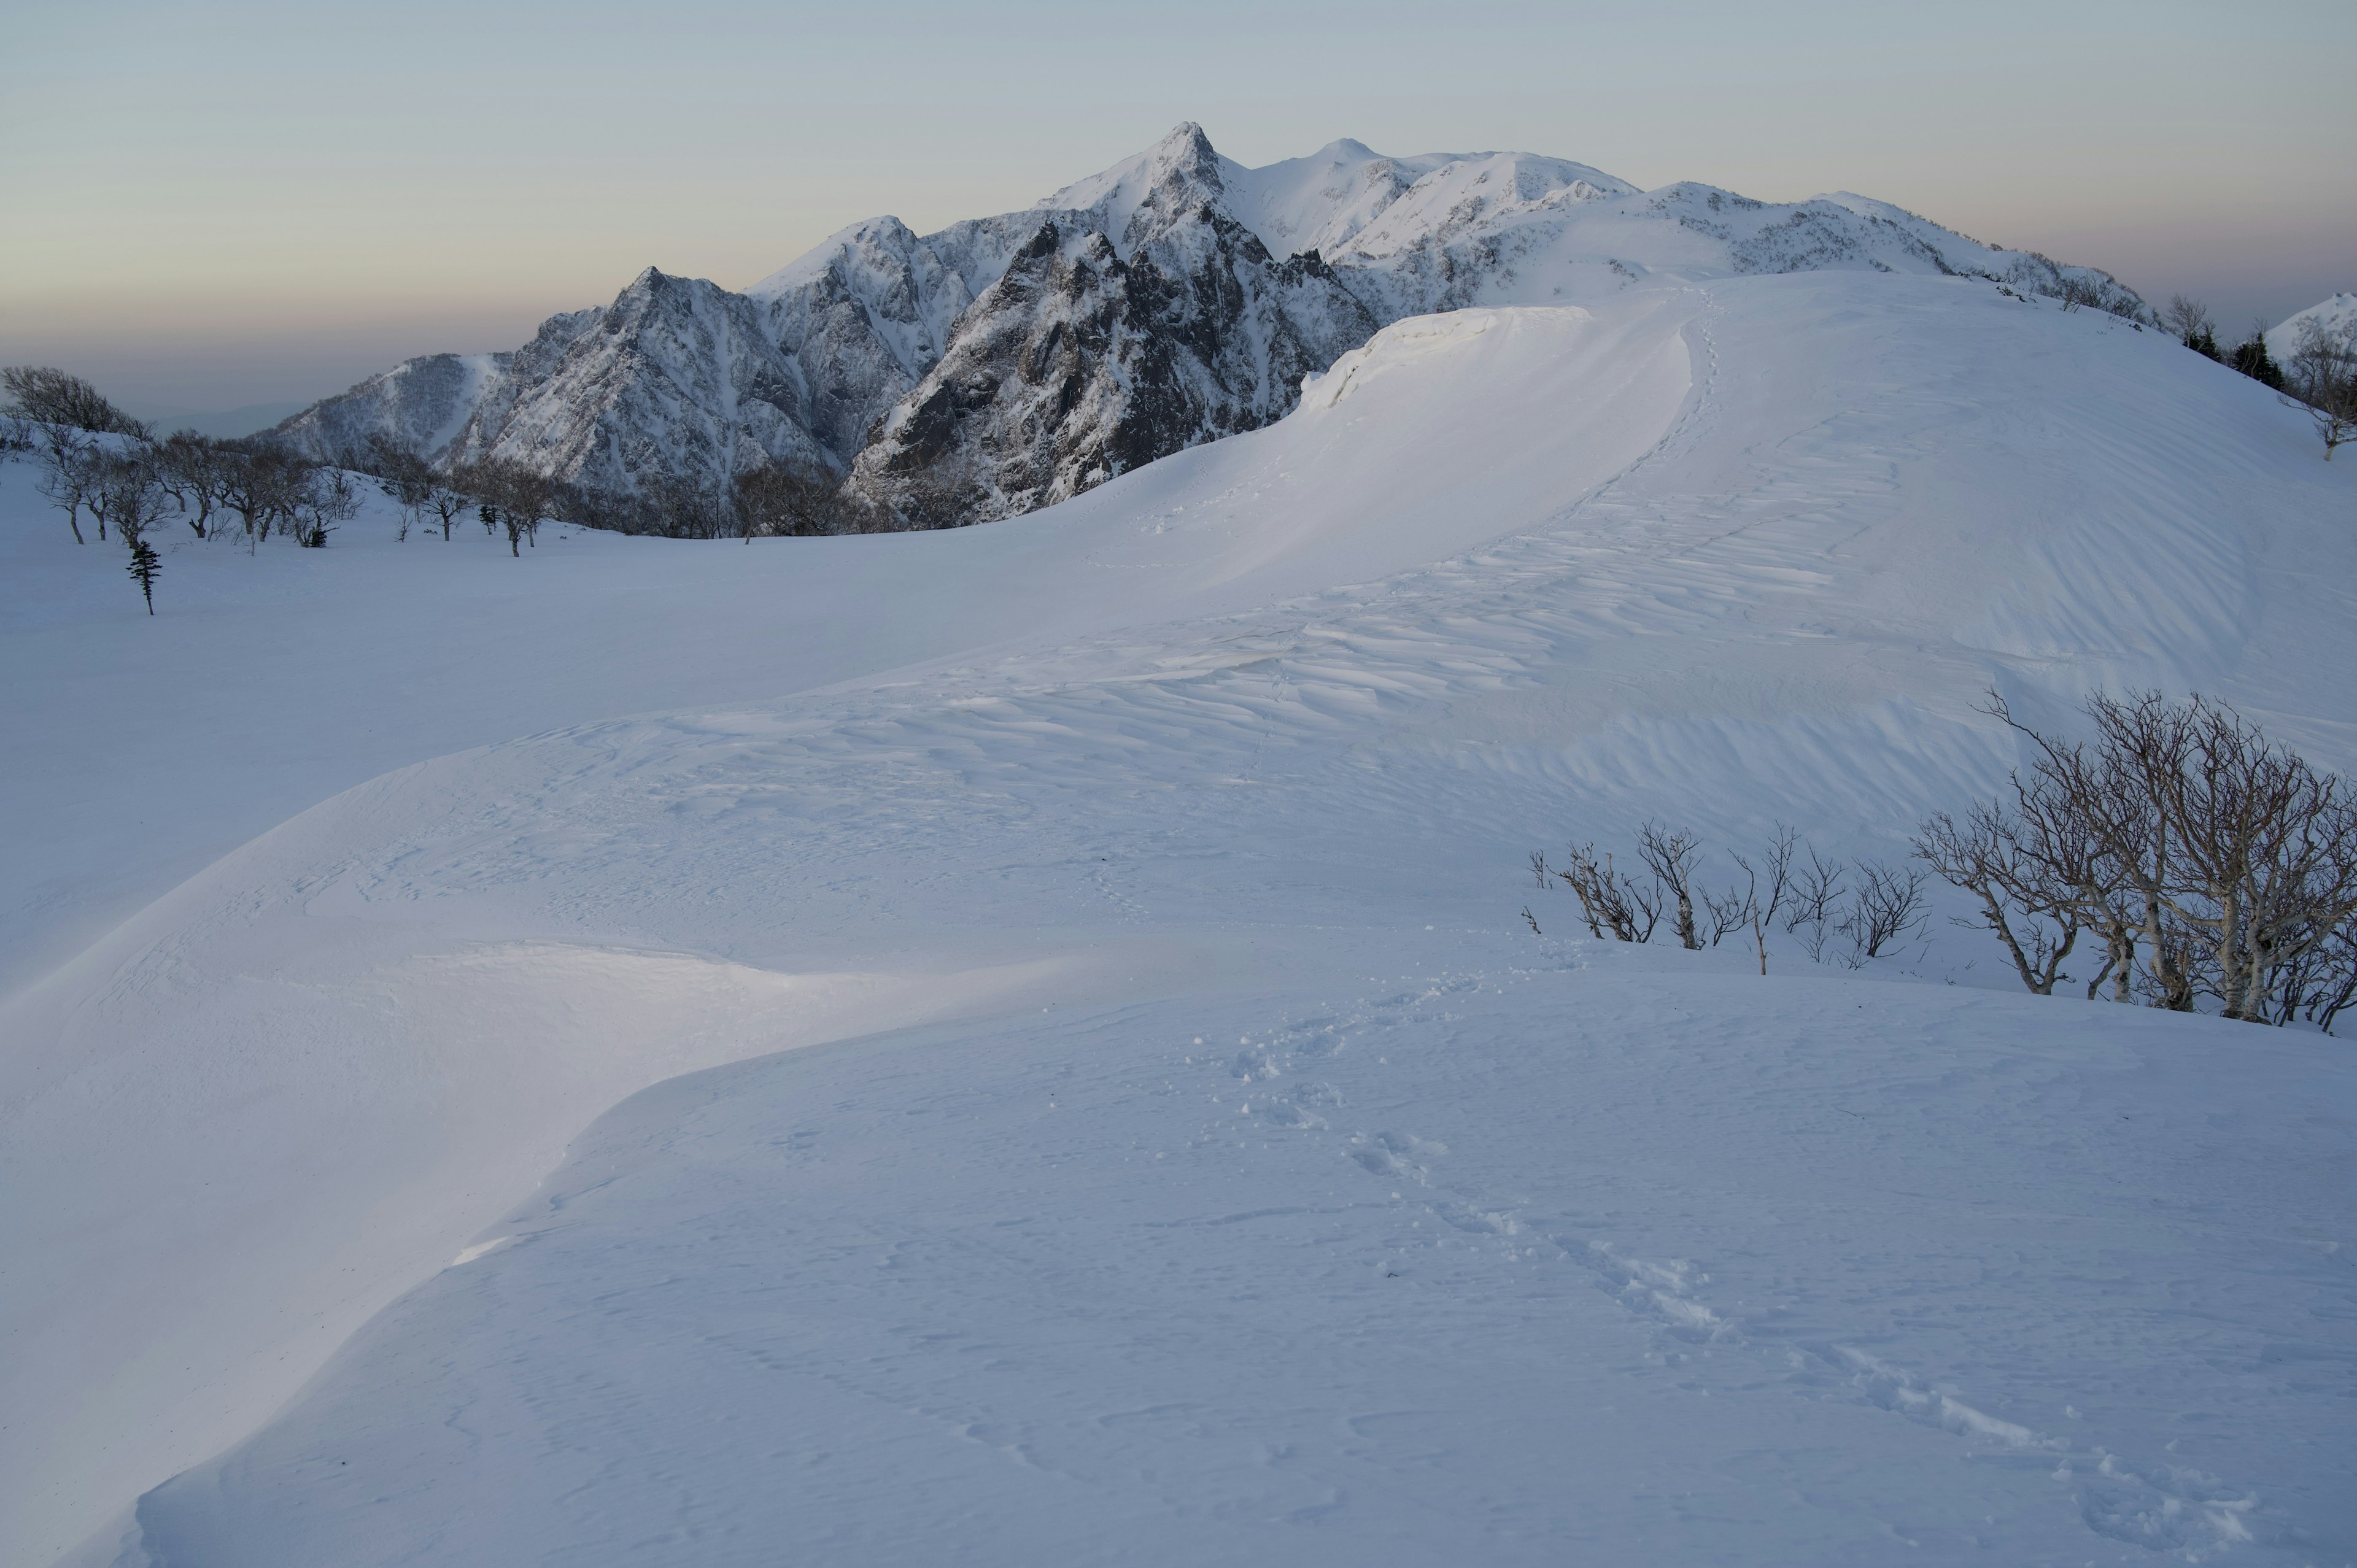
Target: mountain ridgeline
[{"x": 1005, "y": 363}]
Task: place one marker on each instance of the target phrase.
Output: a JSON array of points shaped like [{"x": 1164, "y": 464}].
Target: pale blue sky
[{"x": 210, "y": 205}]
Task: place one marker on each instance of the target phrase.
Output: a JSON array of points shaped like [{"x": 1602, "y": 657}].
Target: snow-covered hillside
[
  {"x": 1076, "y": 1080},
  {"x": 1006, "y": 363}
]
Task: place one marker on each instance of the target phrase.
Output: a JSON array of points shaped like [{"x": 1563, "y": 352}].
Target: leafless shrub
[
  {"x": 1746, "y": 905},
  {"x": 2213, "y": 863},
  {"x": 1789, "y": 879},
  {"x": 1609, "y": 901},
  {"x": 1886, "y": 907},
  {"x": 1814, "y": 908},
  {"x": 1670, "y": 856}
]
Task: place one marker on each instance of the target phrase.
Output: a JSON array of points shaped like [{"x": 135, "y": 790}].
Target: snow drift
[{"x": 1137, "y": 1119}]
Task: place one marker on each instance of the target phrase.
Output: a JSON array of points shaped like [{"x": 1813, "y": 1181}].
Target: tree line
[
  {"x": 101, "y": 463},
  {"x": 2183, "y": 859}
]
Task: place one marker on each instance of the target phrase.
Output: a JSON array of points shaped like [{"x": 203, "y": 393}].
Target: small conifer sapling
[{"x": 145, "y": 565}]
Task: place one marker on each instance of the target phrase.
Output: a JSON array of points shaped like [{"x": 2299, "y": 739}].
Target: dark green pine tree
[
  {"x": 145, "y": 566},
  {"x": 2205, "y": 342},
  {"x": 2252, "y": 360}
]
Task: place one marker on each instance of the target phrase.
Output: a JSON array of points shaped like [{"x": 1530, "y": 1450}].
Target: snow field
[
  {"x": 1808, "y": 1272},
  {"x": 1177, "y": 760}
]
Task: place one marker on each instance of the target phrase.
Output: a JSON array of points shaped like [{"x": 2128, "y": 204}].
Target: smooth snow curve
[{"x": 1244, "y": 1181}]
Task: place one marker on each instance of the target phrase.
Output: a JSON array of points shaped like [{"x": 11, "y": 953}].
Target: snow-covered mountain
[
  {"x": 2335, "y": 317},
  {"x": 1177, "y": 296}
]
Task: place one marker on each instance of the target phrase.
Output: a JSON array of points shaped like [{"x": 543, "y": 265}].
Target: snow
[
  {"x": 683, "y": 378},
  {"x": 1026, "y": 1037},
  {"x": 2331, "y": 317}
]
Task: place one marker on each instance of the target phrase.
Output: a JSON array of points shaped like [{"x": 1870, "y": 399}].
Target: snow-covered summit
[
  {"x": 2334, "y": 317},
  {"x": 1221, "y": 286}
]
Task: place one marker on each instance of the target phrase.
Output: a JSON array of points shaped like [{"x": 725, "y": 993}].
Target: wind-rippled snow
[{"x": 1186, "y": 1150}]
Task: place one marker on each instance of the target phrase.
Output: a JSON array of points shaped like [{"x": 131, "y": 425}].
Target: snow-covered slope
[
  {"x": 1208, "y": 1162},
  {"x": 2336, "y": 316},
  {"x": 952, "y": 398}
]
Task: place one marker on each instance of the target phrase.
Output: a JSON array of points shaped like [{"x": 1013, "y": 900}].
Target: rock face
[
  {"x": 1005, "y": 363},
  {"x": 1089, "y": 357}
]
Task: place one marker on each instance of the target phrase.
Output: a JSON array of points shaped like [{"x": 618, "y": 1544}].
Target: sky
[{"x": 215, "y": 205}]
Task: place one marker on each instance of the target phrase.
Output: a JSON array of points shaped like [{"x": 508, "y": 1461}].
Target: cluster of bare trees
[
  {"x": 2183, "y": 859},
  {"x": 95, "y": 459},
  {"x": 2319, "y": 378},
  {"x": 43, "y": 394},
  {"x": 2201, "y": 861},
  {"x": 1846, "y": 912},
  {"x": 773, "y": 502}
]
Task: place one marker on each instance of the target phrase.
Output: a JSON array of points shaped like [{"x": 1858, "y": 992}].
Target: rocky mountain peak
[{"x": 1003, "y": 363}]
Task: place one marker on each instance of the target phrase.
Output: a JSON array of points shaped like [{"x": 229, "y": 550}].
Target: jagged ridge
[{"x": 1005, "y": 363}]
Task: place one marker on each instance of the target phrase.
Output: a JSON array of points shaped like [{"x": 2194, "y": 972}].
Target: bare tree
[
  {"x": 446, "y": 505},
  {"x": 2320, "y": 379},
  {"x": 2190, "y": 319},
  {"x": 1816, "y": 889},
  {"x": 69, "y": 467},
  {"x": 2030, "y": 910},
  {"x": 2238, "y": 859},
  {"x": 1746, "y": 905},
  {"x": 192, "y": 468},
  {"x": 405, "y": 478},
  {"x": 261, "y": 486},
  {"x": 123, "y": 491},
  {"x": 1608, "y": 901},
  {"x": 52, "y": 396},
  {"x": 318, "y": 500},
  {"x": 781, "y": 500},
  {"x": 1670, "y": 856},
  {"x": 509, "y": 496},
  {"x": 1887, "y": 906},
  {"x": 127, "y": 491}
]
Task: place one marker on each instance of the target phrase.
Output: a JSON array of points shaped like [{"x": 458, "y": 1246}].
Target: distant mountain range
[
  {"x": 222, "y": 421},
  {"x": 1005, "y": 363}
]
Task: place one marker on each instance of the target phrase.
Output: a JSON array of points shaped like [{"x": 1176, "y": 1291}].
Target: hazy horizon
[{"x": 265, "y": 204}]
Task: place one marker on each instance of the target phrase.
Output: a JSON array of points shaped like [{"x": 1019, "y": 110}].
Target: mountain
[
  {"x": 1007, "y": 362},
  {"x": 223, "y": 422},
  {"x": 2332, "y": 316}
]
